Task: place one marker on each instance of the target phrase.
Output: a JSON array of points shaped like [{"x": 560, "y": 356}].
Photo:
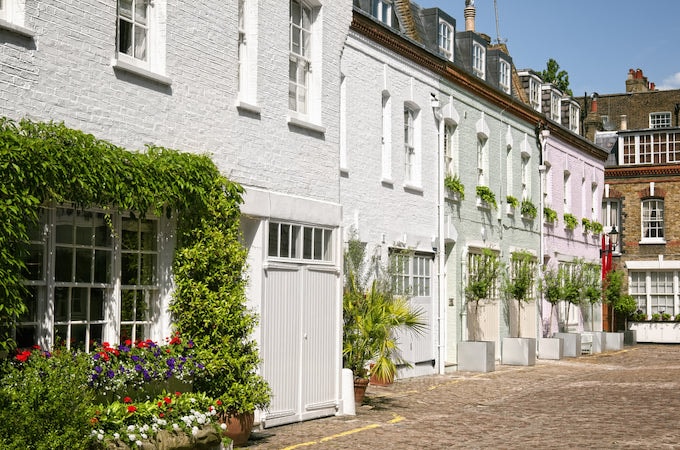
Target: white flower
[
  {"x": 131, "y": 428},
  {"x": 132, "y": 437},
  {"x": 194, "y": 431},
  {"x": 139, "y": 443},
  {"x": 117, "y": 435},
  {"x": 175, "y": 426},
  {"x": 223, "y": 426}
]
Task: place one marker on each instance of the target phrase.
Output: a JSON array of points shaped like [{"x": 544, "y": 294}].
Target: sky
[{"x": 595, "y": 41}]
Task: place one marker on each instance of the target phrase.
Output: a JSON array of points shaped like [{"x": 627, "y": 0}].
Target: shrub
[
  {"x": 528, "y": 209},
  {"x": 677, "y": 318},
  {"x": 44, "y": 401},
  {"x": 486, "y": 195},
  {"x": 665, "y": 316},
  {"x": 570, "y": 221},
  {"x": 454, "y": 184},
  {"x": 656, "y": 317},
  {"x": 550, "y": 215},
  {"x": 512, "y": 201}
]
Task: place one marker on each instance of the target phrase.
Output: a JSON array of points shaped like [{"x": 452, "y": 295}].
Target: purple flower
[
  {"x": 96, "y": 356},
  {"x": 110, "y": 373},
  {"x": 171, "y": 363},
  {"x": 138, "y": 367},
  {"x": 98, "y": 369}
]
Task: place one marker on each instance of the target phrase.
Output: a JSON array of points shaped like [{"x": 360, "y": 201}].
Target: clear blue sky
[{"x": 595, "y": 41}]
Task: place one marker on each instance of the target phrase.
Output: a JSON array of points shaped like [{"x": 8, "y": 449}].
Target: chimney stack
[{"x": 469, "y": 14}]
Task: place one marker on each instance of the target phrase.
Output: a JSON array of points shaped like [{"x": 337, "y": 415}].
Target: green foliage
[
  {"x": 486, "y": 195},
  {"x": 586, "y": 224},
  {"x": 639, "y": 316},
  {"x": 550, "y": 215},
  {"x": 519, "y": 284},
  {"x": 665, "y": 316},
  {"x": 44, "y": 401},
  {"x": 570, "y": 221},
  {"x": 528, "y": 209},
  {"x": 614, "y": 296},
  {"x": 627, "y": 306},
  {"x": 560, "y": 78},
  {"x": 596, "y": 227},
  {"x": 551, "y": 285},
  {"x": 454, "y": 184},
  {"x": 512, "y": 201},
  {"x": 656, "y": 317},
  {"x": 371, "y": 315},
  {"x": 482, "y": 278}
]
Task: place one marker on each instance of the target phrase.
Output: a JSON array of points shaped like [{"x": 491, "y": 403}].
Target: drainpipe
[
  {"x": 440, "y": 250},
  {"x": 542, "y": 135}
]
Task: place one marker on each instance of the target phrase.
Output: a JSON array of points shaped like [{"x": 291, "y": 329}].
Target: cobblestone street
[{"x": 625, "y": 399}]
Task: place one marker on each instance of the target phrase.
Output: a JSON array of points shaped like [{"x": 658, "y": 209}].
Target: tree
[
  {"x": 519, "y": 285},
  {"x": 553, "y": 74},
  {"x": 481, "y": 284}
]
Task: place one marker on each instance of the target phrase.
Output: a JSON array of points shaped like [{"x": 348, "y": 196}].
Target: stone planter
[
  {"x": 613, "y": 342},
  {"x": 477, "y": 356},
  {"x": 572, "y": 344},
  {"x": 630, "y": 337},
  {"x": 656, "y": 332},
  {"x": 550, "y": 348},
  {"x": 518, "y": 351},
  {"x": 205, "y": 439},
  {"x": 598, "y": 341}
]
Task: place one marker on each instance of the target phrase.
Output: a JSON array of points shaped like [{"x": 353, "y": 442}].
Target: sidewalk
[{"x": 626, "y": 399}]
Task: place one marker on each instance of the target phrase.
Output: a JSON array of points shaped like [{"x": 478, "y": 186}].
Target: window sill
[
  {"x": 248, "y": 107},
  {"x": 652, "y": 241},
  {"x": 413, "y": 188},
  {"x": 389, "y": 182},
  {"x": 18, "y": 29},
  {"x": 300, "y": 123},
  {"x": 144, "y": 73}
]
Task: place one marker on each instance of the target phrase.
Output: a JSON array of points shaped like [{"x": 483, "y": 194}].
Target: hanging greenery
[{"x": 48, "y": 163}]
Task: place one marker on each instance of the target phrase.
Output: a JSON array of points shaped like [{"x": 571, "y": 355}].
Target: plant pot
[
  {"x": 360, "y": 385},
  {"x": 375, "y": 381},
  {"x": 518, "y": 351},
  {"x": 239, "y": 427},
  {"x": 477, "y": 356}
]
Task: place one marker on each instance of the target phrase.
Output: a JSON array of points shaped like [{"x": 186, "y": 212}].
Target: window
[
  {"x": 555, "y": 106},
  {"x": 660, "y": 120},
  {"x": 535, "y": 94},
  {"x": 411, "y": 274},
  {"x": 386, "y": 140},
  {"x": 526, "y": 177},
  {"x": 300, "y": 242},
  {"x": 504, "y": 77},
  {"x": 71, "y": 260},
  {"x": 140, "y": 40},
  {"x": 300, "y": 56},
  {"x": 478, "y": 60},
  {"x": 651, "y": 148},
  {"x": 446, "y": 40},
  {"x": 480, "y": 261},
  {"x": 566, "y": 191},
  {"x": 449, "y": 156},
  {"x": 133, "y": 28},
  {"x": 574, "y": 118},
  {"x": 247, "y": 53},
  {"x": 382, "y": 10},
  {"x": 652, "y": 220},
  {"x": 654, "y": 291},
  {"x": 343, "y": 122},
  {"x": 482, "y": 161},
  {"x": 3, "y": 10},
  {"x": 411, "y": 146}
]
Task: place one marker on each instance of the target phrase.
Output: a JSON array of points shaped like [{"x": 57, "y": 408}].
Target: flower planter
[
  {"x": 572, "y": 344},
  {"x": 656, "y": 332},
  {"x": 205, "y": 439},
  {"x": 550, "y": 348},
  {"x": 239, "y": 427},
  {"x": 598, "y": 342},
  {"x": 360, "y": 385},
  {"x": 518, "y": 351},
  {"x": 613, "y": 342},
  {"x": 477, "y": 356},
  {"x": 630, "y": 337}
]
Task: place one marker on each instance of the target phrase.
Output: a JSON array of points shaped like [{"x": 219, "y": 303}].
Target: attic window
[
  {"x": 504, "y": 76},
  {"x": 382, "y": 10},
  {"x": 478, "y": 60},
  {"x": 446, "y": 40}
]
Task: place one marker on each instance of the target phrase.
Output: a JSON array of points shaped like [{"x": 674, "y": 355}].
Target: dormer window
[
  {"x": 574, "y": 118},
  {"x": 504, "y": 76},
  {"x": 660, "y": 120},
  {"x": 535, "y": 94},
  {"x": 555, "y": 106},
  {"x": 446, "y": 40},
  {"x": 478, "y": 60},
  {"x": 382, "y": 10}
]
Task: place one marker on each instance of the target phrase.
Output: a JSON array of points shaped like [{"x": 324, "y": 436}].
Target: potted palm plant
[{"x": 372, "y": 313}]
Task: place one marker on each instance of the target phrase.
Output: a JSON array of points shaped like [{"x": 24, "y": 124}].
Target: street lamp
[{"x": 607, "y": 250}]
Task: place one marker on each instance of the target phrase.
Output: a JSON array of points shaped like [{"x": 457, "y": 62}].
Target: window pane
[
  {"x": 285, "y": 241},
  {"x": 141, "y": 307},
  {"x": 84, "y": 265},
  {"x": 327, "y": 252},
  {"x": 295, "y": 241},
  {"x": 307, "y": 243},
  {"x": 140, "y": 42},
  {"x": 34, "y": 262},
  {"x": 61, "y": 306},
  {"x": 97, "y": 304},
  {"x": 79, "y": 301},
  {"x": 147, "y": 236},
  {"x": 127, "y": 310},
  {"x": 140, "y": 11},
  {"x": 125, "y": 37},
  {"x": 273, "y": 239},
  {"x": 102, "y": 266},
  {"x": 148, "y": 269},
  {"x": 129, "y": 238},
  {"x": 129, "y": 266},
  {"x": 125, "y": 8},
  {"x": 63, "y": 264}
]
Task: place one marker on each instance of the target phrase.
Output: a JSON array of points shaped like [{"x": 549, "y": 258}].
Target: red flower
[
  {"x": 127, "y": 400},
  {"x": 219, "y": 402},
  {"x": 160, "y": 404},
  {"x": 161, "y": 415},
  {"x": 178, "y": 393},
  {"x": 167, "y": 400},
  {"x": 94, "y": 420},
  {"x": 37, "y": 347},
  {"x": 128, "y": 342},
  {"x": 131, "y": 409},
  {"x": 23, "y": 356},
  {"x": 175, "y": 340}
]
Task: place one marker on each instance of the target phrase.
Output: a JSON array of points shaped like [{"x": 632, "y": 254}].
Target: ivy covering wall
[{"x": 49, "y": 163}]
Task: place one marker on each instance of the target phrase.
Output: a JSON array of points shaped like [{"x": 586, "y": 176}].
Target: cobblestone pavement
[{"x": 625, "y": 399}]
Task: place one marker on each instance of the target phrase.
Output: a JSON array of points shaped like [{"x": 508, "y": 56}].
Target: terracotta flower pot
[
  {"x": 360, "y": 385},
  {"x": 239, "y": 427}
]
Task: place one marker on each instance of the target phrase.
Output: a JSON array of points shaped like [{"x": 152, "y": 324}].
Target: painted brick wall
[{"x": 65, "y": 74}]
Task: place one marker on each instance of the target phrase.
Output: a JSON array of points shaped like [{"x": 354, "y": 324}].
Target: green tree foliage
[
  {"x": 560, "y": 78},
  {"x": 482, "y": 281},
  {"x": 519, "y": 284}
]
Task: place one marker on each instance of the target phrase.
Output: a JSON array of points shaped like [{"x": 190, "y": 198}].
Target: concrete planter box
[
  {"x": 518, "y": 351},
  {"x": 572, "y": 344},
  {"x": 550, "y": 348},
  {"x": 630, "y": 337},
  {"x": 477, "y": 356},
  {"x": 657, "y": 332},
  {"x": 598, "y": 342},
  {"x": 613, "y": 342}
]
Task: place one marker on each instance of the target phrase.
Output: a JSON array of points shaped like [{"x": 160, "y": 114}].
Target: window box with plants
[
  {"x": 454, "y": 187},
  {"x": 570, "y": 221},
  {"x": 528, "y": 209},
  {"x": 512, "y": 203},
  {"x": 486, "y": 198},
  {"x": 550, "y": 215},
  {"x": 662, "y": 328}
]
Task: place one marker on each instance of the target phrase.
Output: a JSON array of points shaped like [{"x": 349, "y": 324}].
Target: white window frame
[
  {"x": 247, "y": 48},
  {"x": 574, "y": 118},
  {"x": 660, "y": 119},
  {"x": 526, "y": 176},
  {"x": 655, "y": 291},
  {"x": 652, "y": 221},
  {"x": 445, "y": 39},
  {"x": 300, "y": 242},
  {"x": 152, "y": 66},
  {"x": 482, "y": 160},
  {"x": 412, "y": 153},
  {"x": 566, "y": 191},
  {"x": 382, "y": 10},
  {"x": 535, "y": 94},
  {"x": 555, "y": 106},
  {"x": 479, "y": 60},
  {"x": 67, "y": 252},
  {"x": 386, "y": 138},
  {"x": 450, "y": 148},
  {"x": 504, "y": 76},
  {"x": 411, "y": 273}
]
